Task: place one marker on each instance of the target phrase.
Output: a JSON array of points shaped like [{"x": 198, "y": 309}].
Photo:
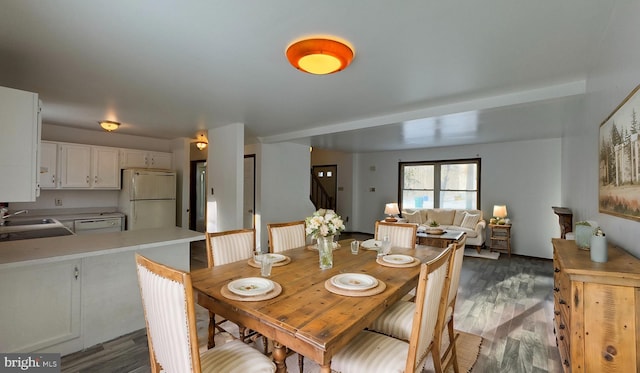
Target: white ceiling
[{"x": 426, "y": 72}]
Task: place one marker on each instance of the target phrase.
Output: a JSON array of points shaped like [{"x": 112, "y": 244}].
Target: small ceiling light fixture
[
  {"x": 109, "y": 125},
  {"x": 202, "y": 143},
  {"x": 319, "y": 55}
]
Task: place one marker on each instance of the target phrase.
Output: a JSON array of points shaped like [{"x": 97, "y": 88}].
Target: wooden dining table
[{"x": 305, "y": 317}]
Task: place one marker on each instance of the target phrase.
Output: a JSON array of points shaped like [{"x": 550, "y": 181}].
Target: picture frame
[{"x": 619, "y": 160}]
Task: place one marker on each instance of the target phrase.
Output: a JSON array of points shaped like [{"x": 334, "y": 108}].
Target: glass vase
[
  {"x": 583, "y": 236},
  {"x": 325, "y": 251}
]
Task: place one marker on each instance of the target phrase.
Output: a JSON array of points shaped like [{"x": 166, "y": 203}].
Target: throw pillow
[
  {"x": 470, "y": 221},
  {"x": 457, "y": 219},
  {"x": 413, "y": 217}
]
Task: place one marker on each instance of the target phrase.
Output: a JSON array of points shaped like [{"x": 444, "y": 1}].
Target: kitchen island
[{"x": 65, "y": 294}]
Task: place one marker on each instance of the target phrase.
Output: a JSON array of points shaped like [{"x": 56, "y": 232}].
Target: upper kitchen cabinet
[
  {"x": 20, "y": 123},
  {"x": 133, "y": 158},
  {"x": 48, "y": 164},
  {"x": 88, "y": 167}
]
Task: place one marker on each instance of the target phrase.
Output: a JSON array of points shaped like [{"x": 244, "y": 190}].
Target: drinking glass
[
  {"x": 386, "y": 246},
  {"x": 265, "y": 265},
  {"x": 355, "y": 246}
]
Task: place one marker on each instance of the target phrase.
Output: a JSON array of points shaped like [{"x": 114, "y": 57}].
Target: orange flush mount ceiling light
[{"x": 319, "y": 56}]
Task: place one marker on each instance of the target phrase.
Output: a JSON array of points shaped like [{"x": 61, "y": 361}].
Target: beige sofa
[{"x": 469, "y": 221}]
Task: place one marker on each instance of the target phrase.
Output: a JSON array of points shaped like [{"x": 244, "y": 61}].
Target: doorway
[
  {"x": 324, "y": 186},
  {"x": 249, "y": 210},
  {"x": 198, "y": 186}
]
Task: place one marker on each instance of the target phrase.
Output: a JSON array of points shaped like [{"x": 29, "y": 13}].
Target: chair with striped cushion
[
  {"x": 374, "y": 352},
  {"x": 222, "y": 248},
  {"x": 169, "y": 311},
  {"x": 400, "y": 234},
  {"x": 397, "y": 320},
  {"x": 286, "y": 236}
]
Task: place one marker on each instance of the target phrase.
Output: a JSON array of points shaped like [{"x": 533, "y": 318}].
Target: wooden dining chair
[
  {"x": 286, "y": 236},
  {"x": 169, "y": 311},
  {"x": 374, "y": 352},
  {"x": 222, "y": 248},
  {"x": 400, "y": 234},
  {"x": 397, "y": 320}
]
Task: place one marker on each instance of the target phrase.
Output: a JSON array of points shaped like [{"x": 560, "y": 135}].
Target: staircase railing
[{"x": 319, "y": 195}]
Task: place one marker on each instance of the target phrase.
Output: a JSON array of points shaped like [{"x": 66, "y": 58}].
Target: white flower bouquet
[{"x": 324, "y": 223}]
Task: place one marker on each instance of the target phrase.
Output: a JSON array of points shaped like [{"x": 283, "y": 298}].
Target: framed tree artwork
[{"x": 619, "y": 160}]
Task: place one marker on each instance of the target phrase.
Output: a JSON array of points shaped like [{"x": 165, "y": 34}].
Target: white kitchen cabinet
[
  {"x": 75, "y": 166},
  {"x": 105, "y": 170},
  {"x": 40, "y": 306},
  {"x": 19, "y": 141},
  {"x": 134, "y": 158},
  {"x": 48, "y": 164},
  {"x": 88, "y": 167}
]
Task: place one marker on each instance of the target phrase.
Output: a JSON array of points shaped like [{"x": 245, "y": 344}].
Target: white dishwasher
[{"x": 98, "y": 225}]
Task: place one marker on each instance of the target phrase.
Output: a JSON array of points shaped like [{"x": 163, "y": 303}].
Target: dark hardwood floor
[{"x": 509, "y": 302}]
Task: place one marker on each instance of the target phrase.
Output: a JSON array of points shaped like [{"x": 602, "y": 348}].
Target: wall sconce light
[
  {"x": 392, "y": 210},
  {"x": 109, "y": 125},
  {"x": 202, "y": 143},
  {"x": 319, "y": 56}
]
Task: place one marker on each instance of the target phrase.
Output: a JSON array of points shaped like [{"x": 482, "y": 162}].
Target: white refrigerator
[{"x": 148, "y": 198}]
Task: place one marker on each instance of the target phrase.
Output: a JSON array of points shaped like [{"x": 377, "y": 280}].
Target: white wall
[
  {"x": 71, "y": 199},
  {"x": 614, "y": 73},
  {"x": 52, "y": 132},
  {"x": 523, "y": 175},
  {"x": 225, "y": 178},
  {"x": 284, "y": 185}
]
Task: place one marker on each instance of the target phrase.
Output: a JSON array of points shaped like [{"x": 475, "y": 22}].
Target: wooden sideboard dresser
[{"x": 597, "y": 309}]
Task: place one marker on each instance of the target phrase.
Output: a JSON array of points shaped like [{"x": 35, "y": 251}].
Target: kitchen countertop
[{"x": 54, "y": 249}]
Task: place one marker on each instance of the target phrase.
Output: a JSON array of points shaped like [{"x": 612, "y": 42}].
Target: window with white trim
[{"x": 440, "y": 184}]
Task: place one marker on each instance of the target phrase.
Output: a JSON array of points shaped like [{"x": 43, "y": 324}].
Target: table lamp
[
  {"x": 499, "y": 213},
  {"x": 392, "y": 210}
]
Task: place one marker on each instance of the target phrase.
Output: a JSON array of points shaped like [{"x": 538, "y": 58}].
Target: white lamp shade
[
  {"x": 391, "y": 209},
  {"x": 500, "y": 211}
]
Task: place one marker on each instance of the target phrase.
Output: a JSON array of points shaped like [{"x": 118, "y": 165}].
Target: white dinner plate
[
  {"x": 250, "y": 286},
  {"x": 398, "y": 259},
  {"x": 372, "y": 244},
  {"x": 275, "y": 258},
  {"x": 354, "y": 281}
]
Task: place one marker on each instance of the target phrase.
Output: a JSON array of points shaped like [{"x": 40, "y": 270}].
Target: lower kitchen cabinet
[
  {"x": 70, "y": 305},
  {"x": 40, "y": 306},
  {"x": 596, "y": 309}
]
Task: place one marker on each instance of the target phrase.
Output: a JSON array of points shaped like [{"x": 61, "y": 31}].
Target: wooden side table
[{"x": 500, "y": 238}]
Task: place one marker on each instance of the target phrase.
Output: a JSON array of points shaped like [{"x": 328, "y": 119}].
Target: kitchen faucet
[{"x": 4, "y": 215}]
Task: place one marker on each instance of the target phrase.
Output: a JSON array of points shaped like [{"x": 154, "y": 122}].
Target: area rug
[{"x": 484, "y": 253}]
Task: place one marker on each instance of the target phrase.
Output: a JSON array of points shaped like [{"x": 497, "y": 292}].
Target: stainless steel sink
[
  {"x": 20, "y": 222},
  {"x": 36, "y": 233},
  {"x": 18, "y": 225}
]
